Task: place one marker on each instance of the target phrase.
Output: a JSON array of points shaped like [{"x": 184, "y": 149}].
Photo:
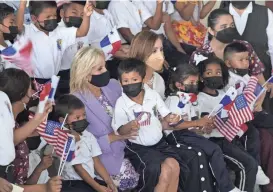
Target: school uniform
[
  {"x": 7, "y": 149},
  {"x": 4, "y": 64},
  {"x": 67, "y": 59},
  {"x": 149, "y": 150},
  {"x": 237, "y": 159},
  {"x": 48, "y": 50},
  {"x": 211, "y": 150},
  {"x": 86, "y": 149}
]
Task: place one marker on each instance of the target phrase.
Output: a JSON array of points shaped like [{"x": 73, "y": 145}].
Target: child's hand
[
  {"x": 134, "y": 125},
  {"x": 132, "y": 135},
  {"x": 102, "y": 188},
  {"x": 5, "y": 186},
  {"x": 112, "y": 187},
  {"x": 172, "y": 118},
  {"x": 88, "y": 8},
  {"x": 41, "y": 117},
  {"x": 204, "y": 121},
  {"x": 54, "y": 184},
  {"x": 45, "y": 163}
]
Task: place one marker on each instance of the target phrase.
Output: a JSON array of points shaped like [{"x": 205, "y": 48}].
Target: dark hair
[
  {"x": 181, "y": 72},
  {"x": 213, "y": 60},
  {"x": 66, "y": 5},
  {"x": 213, "y": 18},
  {"x": 130, "y": 65},
  {"x": 37, "y": 7},
  {"x": 66, "y": 104},
  {"x": 5, "y": 10},
  {"x": 232, "y": 48},
  {"x": 15, "y": 83}
]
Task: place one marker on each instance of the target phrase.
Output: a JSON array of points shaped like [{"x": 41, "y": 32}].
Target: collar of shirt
[
  {"x": 233, "y": 12},
  {"x": 35, "y": 28},
  {"x": 61, "y": 23},
  {"x": 239, "y": 78},
  {"x": 148, "y": 95}
]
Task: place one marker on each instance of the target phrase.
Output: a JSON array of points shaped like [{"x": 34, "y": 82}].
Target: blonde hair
[
  {"x": 83, "y": 62},
  {"x": 142, "y": 45}
]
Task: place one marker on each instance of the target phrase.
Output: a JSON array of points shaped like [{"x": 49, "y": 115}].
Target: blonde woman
[{"x": 90, "y": 82}]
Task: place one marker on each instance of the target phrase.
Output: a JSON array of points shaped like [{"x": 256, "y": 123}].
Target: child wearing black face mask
[
  {"x": 79, "y": 174},
  {"x": 210, "y": 96},
  {"x": 49, "y": 42},
  {"x": 183, "y": 102}
]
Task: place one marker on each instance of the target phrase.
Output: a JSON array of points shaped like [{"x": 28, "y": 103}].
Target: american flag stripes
[
  {"x": 143, "y": 118},
  {"x": 225, "y": 127},
  {"x": 53, "y": 135},
  {"x": 240, "y": 112}
]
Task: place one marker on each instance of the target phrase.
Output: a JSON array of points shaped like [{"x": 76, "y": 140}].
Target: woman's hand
[
  {"x": 41, "y": 117},
  {"x": 54, "y": 184},
  {"x": 5, "y": 186}
]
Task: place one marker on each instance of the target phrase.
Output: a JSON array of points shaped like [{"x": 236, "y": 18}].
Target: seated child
[
  {"x": 49, "y": 42},
  {"x": 185, "y": 78},
  {"x": 135, "y": 114},
  {"x": 8, "y": 30},
  {"x": 236, "y": 59},
  {"x": 214, "y": 76},
  {"x": 79, "y": 174}
]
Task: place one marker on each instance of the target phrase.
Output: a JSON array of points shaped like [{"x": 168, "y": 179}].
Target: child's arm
[
  {"x": 100, "y": 169},
  {"x": 84, "y": 28},
  {"x": 207, "y": 8},
  {"x": 185, "y": 10},
  {"x": 45, "y": 163},
  {"x": 155, "y": 21},
  {"x": 53, "y": 185},
  {"x": 21, "y": 15},
  {"x": 87, "y": 178}
]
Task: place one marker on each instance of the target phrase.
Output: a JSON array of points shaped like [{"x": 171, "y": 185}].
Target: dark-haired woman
[{"x": 15, "y": 93}]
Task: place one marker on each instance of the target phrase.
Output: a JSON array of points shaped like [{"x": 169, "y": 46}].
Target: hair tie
[{"x": 198, "y": 58}]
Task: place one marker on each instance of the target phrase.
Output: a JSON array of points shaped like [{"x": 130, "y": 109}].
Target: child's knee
[
  {"x": 173, "y": 164},
  {"x": 166, "y": 172}
]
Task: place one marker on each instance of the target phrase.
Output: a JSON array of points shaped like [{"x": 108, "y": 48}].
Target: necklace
[{"x": 150, "y": 82}]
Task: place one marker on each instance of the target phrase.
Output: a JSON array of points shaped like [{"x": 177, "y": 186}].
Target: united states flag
[
  {"x": 253, "y": 90},
  {"x": 225, "y": 127},
  {"x": 69, "y": 152},
  {"x": 53, "y": 135},
  {"x": 240, "y": 112},
  {"x": 143, "y": 118}
]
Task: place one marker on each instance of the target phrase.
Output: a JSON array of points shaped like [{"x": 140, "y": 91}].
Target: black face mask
[
  {"x": 100, "y": 80},
  {"x": 213, "y": 82},
  {"x": 74, "y": 22},
  {"x": 132, "y": 90},
  {"x": 12, "y": 35},
  {"x": 80, "y": 126},
  {"x": 49, "y": 25},
  {"x": 241, "y": 72},
  {"x": 191, "y": 89},
  {"x": 227, "y": 35},
  {"x": 240, "y": 4},
  {"x": 33, "y": 142}
]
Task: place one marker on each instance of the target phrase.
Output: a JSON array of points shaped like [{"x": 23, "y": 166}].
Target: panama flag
[
  {"x": 19, "y": 54},
  {"x": 111, "y": 43},
  {"x": 44, "y": 95},
  {"x": 54, "y": 84}
]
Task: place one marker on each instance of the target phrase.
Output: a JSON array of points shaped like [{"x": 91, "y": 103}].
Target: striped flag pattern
[
  {"x": 253, "y": 90},
  {"x": 225, "y": 127},
  {"x": 240, "y": 112},
  {"x": 143, "y": 118},
  {"x": 53, "y": 135}
]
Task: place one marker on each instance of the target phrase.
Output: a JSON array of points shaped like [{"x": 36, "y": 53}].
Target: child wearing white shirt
[
  {"x": 136, "y": 115},
  {"x": 185, "y": 78},
  {"x": 49, "y": 42},
  {"x": 79, "y": 174},
  {"x": 214, "y": 76}
]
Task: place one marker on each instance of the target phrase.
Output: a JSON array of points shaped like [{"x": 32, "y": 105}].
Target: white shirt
[
  {"x": 152, "y": 103},
  {"x": 159, "y": 85},
  {"x": 7, "y": 150},
  {"x": 71, "y": 51},
  {"x": 206, "y": 104},
  {"x": 241, "y": 21},
  {"x": 151, "y": 7},
  {"x": 187, "y": 112},
  {"x": 86, "y": 149},
  {"x": 48, "y": 50},
  {"x": 127, "y": 15},
  {"x": 4, "y": 63}
]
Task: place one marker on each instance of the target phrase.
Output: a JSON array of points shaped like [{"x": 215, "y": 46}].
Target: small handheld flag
[
  {"x": 54, "y": 84},
  {"x": 44, "y": 97},
  {"x": 111, "y": 43},
  {"x": 143, "y": 118}
]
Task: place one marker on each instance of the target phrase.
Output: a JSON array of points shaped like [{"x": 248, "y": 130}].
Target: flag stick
[
  {"x": 61, "y": 160},
  {"x": 65, "y": 160},
  {"x": 267, "y": 81}
]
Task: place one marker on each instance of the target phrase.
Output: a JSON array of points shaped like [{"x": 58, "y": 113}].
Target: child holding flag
[
  {"x": 236, "y": 59},
  {"x": 185, "y": 78},
  {"x": 79, "y": 174},
  {"x": 214, "y": 76}
]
